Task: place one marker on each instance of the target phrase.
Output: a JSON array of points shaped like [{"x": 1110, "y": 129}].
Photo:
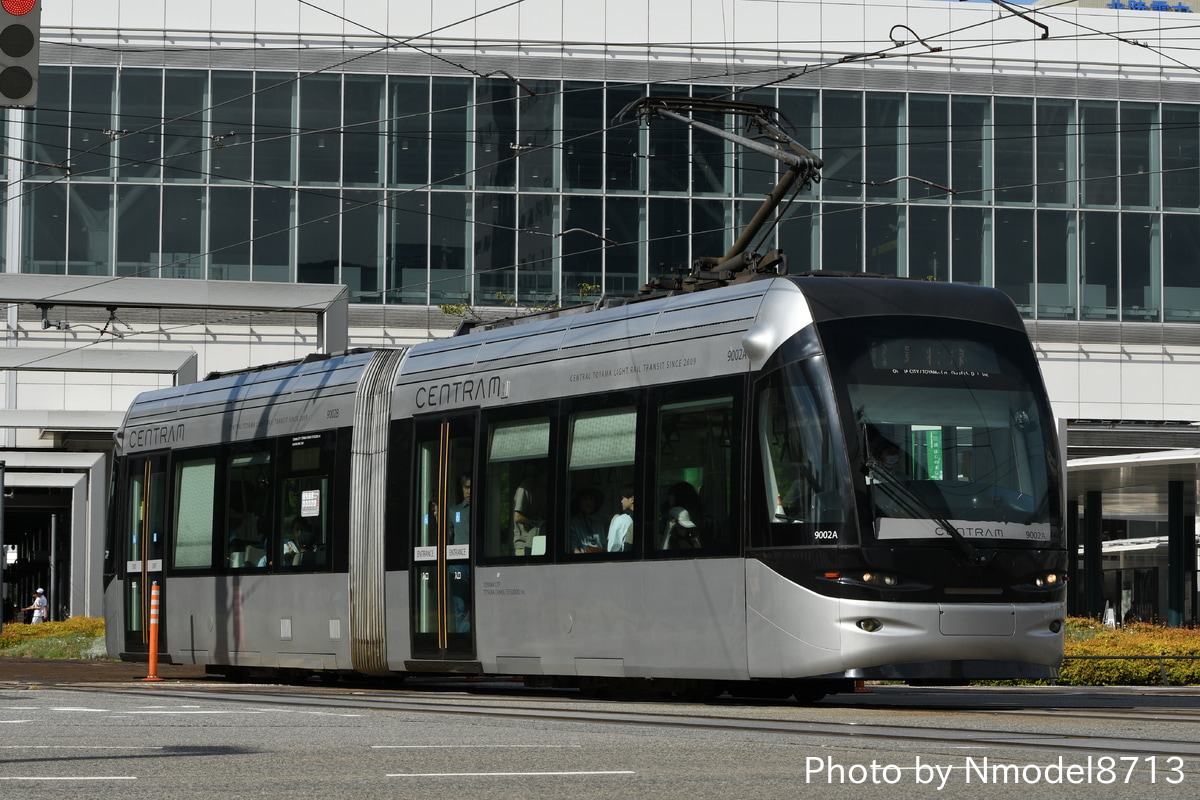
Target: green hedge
[{"x": 1087, "y": 637}]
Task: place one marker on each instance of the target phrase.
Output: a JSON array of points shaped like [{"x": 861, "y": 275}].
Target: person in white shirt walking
[{"x": 39, "y": 607}]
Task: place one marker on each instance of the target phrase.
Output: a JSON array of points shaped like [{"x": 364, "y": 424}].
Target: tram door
[
  {"x": 143, "y": 540},
  {"x": 442, "y": 586}
]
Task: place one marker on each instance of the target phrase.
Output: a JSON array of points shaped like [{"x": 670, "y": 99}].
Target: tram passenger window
[
  {"x": 800, "y": 477},
  {"x": 195, "y": 487},
  {"x": 248, "y": 507},
  {"x": 517, "y": 489},
  {"x": 305, "y": 503},
  {"x": 600, "y": 471},
  {"x": 695, "y": 478}
]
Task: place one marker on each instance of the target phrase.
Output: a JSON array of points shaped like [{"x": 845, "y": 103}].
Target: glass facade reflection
[{"x": 425, "y": 190}]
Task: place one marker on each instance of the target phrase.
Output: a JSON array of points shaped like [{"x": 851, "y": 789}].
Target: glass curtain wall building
[{"x": 419, "y": 189}]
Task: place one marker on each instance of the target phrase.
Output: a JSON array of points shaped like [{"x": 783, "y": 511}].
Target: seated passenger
[
  {"x": 620, "y": 529},
  {"x": 586, "y": 531},
  {"x": 680, "y": 532}
]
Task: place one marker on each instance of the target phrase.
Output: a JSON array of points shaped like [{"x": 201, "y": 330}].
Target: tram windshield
[{"x": 952, "y": 429}]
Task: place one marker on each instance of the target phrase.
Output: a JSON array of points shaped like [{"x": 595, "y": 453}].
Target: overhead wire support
[{"x": 1024, "y": 16}]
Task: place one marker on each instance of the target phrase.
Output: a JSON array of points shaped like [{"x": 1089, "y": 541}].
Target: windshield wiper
[{"x": 896, "y": 487}]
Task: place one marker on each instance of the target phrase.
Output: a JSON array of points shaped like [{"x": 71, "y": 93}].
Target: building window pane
[
  {"x": 317, "y": 237},
  {"x": 841, "y": 238},
  {"x": 884, "y": 231},
  {"x": 1013, "y": 132},
  {"x": 1181, "y": 157},
  {"x": 624, "y": 262},
  {"x": 1139, "y": 138},
  {"x": 537, "y": 276},
  {"x": 449, "y": 248},
  {"x": 799, "y": 236},
  {"x": 495, "y": 132},
  {"x": 1140, "y": 298},
  {"x": 669, "y": 234},
  {"x": 1100, "y": 250},
  {"x": 231, "y": 125},
  {"x": 89, "y": 235},
  {"x": 583, "y": 138},
  {"x": 1181, "y": 279},
  {"x": 1056, "y": 152},
  {"x": 229, "y": 233},
  {"x": 92, "y": 94},
  {"x": 274, "y": 126},
  {"x": 929, "y": 145},
  {"x": 670, "y": 148},
  {"x": 885, "y": 158},
  {"x": 408, "y": 271},
  {"x": 710, "y": 228},
  {"x": 448, "y": 149},
  {"x": 842, "y": 132},
  {"x": 970, "y": 161},
  {"x": 361, "y": 224},
  {"x": 539, "y": 129},
  {"x": 183, "y": 144},
  {"x": 1015, "y": 256},
  {"x": 141, "y": 108},
  {"x": 183, "y": 232},
  {"x": 362, "y": 141},
  {"x": 272, "y": 234},
  {"x": 1056, "y": 248},
  {"x": 755, "y": 174},
  {"x": 929, "y": 243},
  {"x": 411, "y": 133},
  {"x": 1098, "y": 143},
  {"x": 972, "y": 246},
  {"x": 582, "y": 249},
  {"x": 49, "y": 127},
  {"x": 320, "y": 138},
  {"x": 623, "y": 150},
  {"x": 495, "y": 249},
  {"x": 711, "y": 154},
  {"x": 44, "y": 219},
  {"x": 137, "y": 230}
]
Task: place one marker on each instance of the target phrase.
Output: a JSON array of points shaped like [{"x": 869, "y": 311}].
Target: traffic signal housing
[{"x": 20, "y": 32}]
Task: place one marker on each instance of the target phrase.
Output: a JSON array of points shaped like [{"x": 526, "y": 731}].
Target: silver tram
[{"x": 786, "y": 484}]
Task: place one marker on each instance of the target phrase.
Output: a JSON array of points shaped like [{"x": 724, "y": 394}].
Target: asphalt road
[{"x": 192, "y": 737}]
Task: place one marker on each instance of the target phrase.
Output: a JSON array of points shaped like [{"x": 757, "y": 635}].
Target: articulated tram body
[{"x": 866, "y": 469}]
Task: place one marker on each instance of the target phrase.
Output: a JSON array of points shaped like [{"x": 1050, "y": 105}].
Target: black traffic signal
[{"x": 20, "y": 30}]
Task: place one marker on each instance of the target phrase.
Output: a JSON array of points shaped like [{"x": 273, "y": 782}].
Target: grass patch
[{"x": 78, "y": 637}]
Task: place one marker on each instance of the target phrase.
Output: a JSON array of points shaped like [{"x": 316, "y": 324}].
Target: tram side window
[
  {"x": 517, "y": 489},
  {"x": 800, "y": 475},
  {"x": 248, "y": 507},
  {"x": 195, "y": 490},
  {"x": 600, "y": 477},
  {"x": 305, "y": 503},
  {"x": 695, "y": 478}
]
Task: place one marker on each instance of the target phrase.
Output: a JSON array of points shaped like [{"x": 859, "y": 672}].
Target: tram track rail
[{"x": 993, "y": 727}]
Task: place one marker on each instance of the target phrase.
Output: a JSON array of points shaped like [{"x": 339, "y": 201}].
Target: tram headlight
[
  {"x": 1048, "y": 581},
  {"x": 876, "y": 578},
  {"x": 870, "y": 624}
]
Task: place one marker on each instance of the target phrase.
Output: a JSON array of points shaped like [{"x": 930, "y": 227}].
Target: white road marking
[
  {"x": 464, "y": 746},
  {"x": 16, "y": 721},
  {"x": 501, "y": 774},
  {"x": 70, "y": 778}
]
